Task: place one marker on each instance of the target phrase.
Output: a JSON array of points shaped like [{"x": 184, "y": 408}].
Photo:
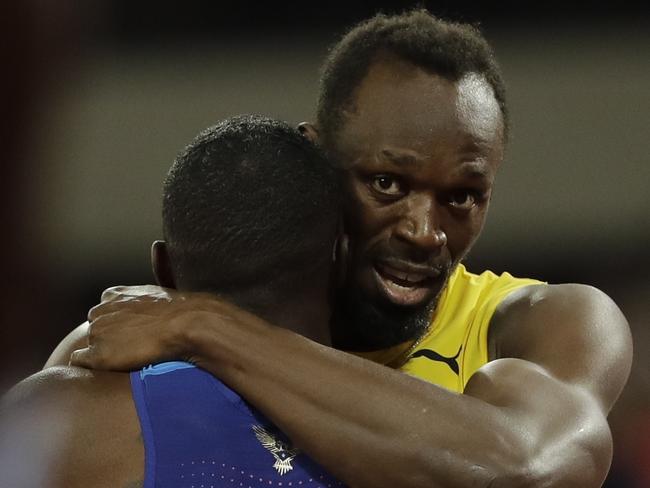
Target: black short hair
[
  {"x": 249, "y": 203},
  {"x": 448, "y": 49}
]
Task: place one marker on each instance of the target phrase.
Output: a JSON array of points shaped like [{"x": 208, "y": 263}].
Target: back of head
[
  {"x": 250, "y": 210},
  {"x": 444, "y": 48}
]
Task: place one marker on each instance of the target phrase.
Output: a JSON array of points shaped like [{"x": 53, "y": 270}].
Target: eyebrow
[
  {"x": 474, "y": 169},
  {"x": 400, "y": 158}
]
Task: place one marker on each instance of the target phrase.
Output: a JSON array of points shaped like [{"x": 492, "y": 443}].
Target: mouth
[{"x": 406, "y": 284}]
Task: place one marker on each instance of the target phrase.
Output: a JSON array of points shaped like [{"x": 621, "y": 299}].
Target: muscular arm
[{"x": 534, "y": 417}]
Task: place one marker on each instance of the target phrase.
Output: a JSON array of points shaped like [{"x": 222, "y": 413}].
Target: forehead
[{"x": 400, "y": 105}]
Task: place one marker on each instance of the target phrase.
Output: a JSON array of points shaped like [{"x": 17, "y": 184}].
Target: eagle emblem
[{"x": 282, "y": 452}]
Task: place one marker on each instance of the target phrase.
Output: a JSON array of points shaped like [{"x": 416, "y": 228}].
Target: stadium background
[{"x": 99, "y": 97}]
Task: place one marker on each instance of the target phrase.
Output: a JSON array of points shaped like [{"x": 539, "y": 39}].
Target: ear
[
  {"x": 309, "y": 131},
  {"x": 162, "y": 266}
]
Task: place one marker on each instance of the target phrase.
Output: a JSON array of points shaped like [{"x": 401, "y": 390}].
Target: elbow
[
  {"x": 502, "y": 461},
  {"x": 496, "y": 467},
  {"x": 505, "y": 469},
  {"x": 506, "y": 474},
  {"x": 579, "y": 463},
  {"x": 514, "y": 476}
]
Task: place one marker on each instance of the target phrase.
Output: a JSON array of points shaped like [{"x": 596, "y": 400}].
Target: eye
[
  {"x": 386, "y": 185},
  {"x": 464, "y": 199}
]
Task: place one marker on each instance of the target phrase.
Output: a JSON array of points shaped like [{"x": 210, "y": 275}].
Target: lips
[{"x": 407, "y": 284}]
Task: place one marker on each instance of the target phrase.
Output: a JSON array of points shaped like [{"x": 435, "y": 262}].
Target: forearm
[
  {"x": 537, "y": 417},
  {"x": 367, "y": 424}
]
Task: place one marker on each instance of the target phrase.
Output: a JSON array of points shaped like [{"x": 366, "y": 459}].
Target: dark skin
[
  {"x": 419, "y": 182},
  {"x": 535, "y": 415},
  {"x": 44, "y": 441},
  {"x": 69, "y": 427},
  {"x": 410, "y": 195}
]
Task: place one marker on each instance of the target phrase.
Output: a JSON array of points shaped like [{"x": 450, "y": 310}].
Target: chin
[{"x": 363, "y": 322}]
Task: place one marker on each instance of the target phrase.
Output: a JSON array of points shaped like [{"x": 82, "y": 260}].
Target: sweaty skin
[
  {"x": 67, "y": 427},
  {"x": 419, "y": 184},
  {"x": 422, "y": 154}
]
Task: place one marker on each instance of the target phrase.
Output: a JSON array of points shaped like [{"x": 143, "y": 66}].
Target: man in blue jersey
[{"x": 250, "y": 212}]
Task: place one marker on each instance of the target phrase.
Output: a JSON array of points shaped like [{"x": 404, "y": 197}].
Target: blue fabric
[{"x": 198, "y": 433}]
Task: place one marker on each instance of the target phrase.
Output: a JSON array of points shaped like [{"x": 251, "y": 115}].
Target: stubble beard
[{"x": 360, "y": 325}]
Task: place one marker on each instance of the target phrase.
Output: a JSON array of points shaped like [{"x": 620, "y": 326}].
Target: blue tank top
[{"x": 198, "y": 433}]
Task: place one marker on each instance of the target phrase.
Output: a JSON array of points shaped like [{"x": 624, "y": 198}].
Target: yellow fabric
[{"x": 461, "y": 322}]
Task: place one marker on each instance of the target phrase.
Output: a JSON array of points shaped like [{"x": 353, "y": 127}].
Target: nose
[{"x": 419, "y": 225}]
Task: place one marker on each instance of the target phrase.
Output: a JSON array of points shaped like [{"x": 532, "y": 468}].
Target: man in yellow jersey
[{"x": 520, "y": 375}]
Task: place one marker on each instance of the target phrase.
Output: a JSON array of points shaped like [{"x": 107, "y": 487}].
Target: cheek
[
  {"x": 461, "y": 234},
  {"x": 363, "y": 222},
  {"x": 367, "y": 226},
  {"x": 363, "y": 217}
]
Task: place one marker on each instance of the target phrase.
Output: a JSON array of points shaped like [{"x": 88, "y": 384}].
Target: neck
[
  {"x": 304, "y": 312},
  {"x": 309, "y": 321}
]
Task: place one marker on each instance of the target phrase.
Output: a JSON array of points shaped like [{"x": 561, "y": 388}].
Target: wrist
[
  {"x": 186, "y": 335},
  {"x": 222, "y": 342}
]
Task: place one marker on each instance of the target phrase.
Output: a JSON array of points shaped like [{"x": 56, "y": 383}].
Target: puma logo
[{"x": 434, "y": 356}]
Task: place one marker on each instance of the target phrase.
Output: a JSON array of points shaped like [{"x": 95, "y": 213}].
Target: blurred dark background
[{"x": 97, "y": 99}]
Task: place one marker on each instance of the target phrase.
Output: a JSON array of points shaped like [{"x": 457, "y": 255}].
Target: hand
[{"x": 134, "y": 326}]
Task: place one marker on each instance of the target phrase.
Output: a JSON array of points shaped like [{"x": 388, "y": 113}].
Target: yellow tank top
[{"x": 456, "y": 343}]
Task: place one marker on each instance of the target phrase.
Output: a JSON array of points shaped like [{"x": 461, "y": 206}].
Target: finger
[
  {"x": 99, "y": 311},
  {"x": 82, "y": 358},
  {"x": 109, "y": 321},
  {"x": 128, "y": 292},
  {"x": 113, "y": 309},
  {"x": 143, "y": 304},
  {"x": 121, "y": 341},
  {"x": 113, "y": 292},
  {"x": 89, "y": 358}
]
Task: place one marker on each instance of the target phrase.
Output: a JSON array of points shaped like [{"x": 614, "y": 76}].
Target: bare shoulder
[
  {"x": 65, "y": 425},
  {"x": 76, "y": 339},
  {"x": 64, "y": 385},
  {"x": 576, "y": 332},
  {"x": 50, "y": 390}
]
